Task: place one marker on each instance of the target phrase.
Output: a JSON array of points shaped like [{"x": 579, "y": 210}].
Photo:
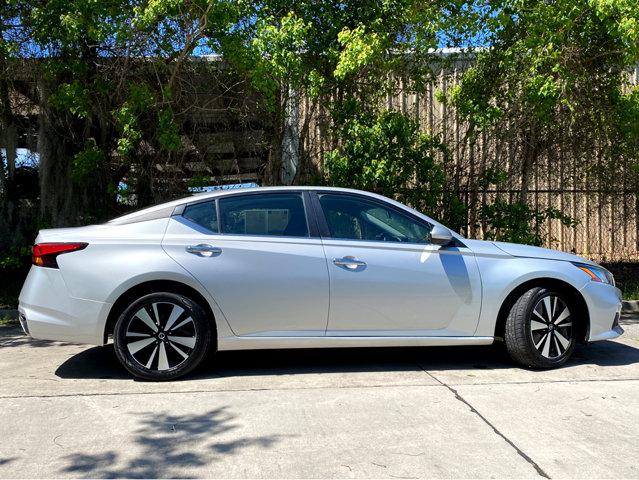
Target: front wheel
[
  {"x": 540, "y": 329},
  {"x": 162, "y": 336}
]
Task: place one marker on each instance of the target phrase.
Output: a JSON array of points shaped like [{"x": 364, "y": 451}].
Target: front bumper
[{"x": 604, "y": 308}]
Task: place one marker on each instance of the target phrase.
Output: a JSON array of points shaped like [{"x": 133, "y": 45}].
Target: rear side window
[
  {"x": 204, "y": 214},
  {"x": 277, "y": 214}
]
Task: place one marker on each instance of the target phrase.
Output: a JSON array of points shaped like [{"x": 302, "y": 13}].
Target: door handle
[
  {"x": 349, "y": 262},
  {"x": 204, "y": 250}
]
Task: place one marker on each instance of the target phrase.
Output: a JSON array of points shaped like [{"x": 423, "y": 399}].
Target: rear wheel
[
  {"x": 162, "y": 336},
  {"x": 540, "y": 330}
]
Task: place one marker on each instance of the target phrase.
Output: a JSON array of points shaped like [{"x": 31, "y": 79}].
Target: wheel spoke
[
  {"x": 559, "y": 350},
  {"x": 562, "y": 316},
  {"x": 183, "y": 322},
  {"x": 136, "y": 334},
  {"x": 546, "y": 351},
  {"x": 135, "y": 347},
  {"x": 175, "y": 347},
  {"x": 144, "y": 316},
  {"x": 541, "y": 341},
  {"x": 564, "y": 325},
  {"x": 186, "y": 341},
  {"x": 148, "y": 364},
  {"x": 549, "y": 311},
  {"x": 175, "y": 314},
  {"x": 539, "y": 315},
  {"x": 163, "y": 362},
  {"x": 156, "y": 314},
  {"x": 535, "y": 325},
  {"x": 564, "y": 341}
]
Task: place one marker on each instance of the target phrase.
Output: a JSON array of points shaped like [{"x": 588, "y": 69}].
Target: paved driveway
[{"x": 69, "y": 410}]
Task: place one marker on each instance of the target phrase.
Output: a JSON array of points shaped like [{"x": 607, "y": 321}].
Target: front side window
[
  {"x": 355, "y": 218},
  {"x": 277, "y": 214},
  {"x": 204, "y": 214}
]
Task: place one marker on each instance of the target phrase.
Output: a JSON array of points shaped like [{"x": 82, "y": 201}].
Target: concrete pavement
[{"x": 71, "y": 411}]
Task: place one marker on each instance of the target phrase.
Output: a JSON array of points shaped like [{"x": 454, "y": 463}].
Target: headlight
[{"x": 596, "y": 274}]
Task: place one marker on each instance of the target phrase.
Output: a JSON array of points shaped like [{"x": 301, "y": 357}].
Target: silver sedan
[{"x": 304, "y": 267}]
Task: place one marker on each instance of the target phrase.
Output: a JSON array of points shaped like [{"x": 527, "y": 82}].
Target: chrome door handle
[
  {"x": 204, "y": 250},
  {"x": 349, "y": 262}
]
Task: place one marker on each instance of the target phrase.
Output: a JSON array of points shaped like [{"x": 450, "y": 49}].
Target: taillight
[{"x": 45, "y": 254}]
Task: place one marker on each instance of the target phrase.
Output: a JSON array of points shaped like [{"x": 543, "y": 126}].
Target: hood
[{"x": 528, "y": 251}]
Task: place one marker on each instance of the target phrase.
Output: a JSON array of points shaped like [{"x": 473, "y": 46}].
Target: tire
[
  {"x": 149, "y": 350},
  {"x": 541, "y": 331}
]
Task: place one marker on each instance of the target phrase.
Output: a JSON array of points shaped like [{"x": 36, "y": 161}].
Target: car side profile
[{"x": 304, "y": 267}]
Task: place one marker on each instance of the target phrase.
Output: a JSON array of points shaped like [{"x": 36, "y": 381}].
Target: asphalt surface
[{"x": 71, "y": 411}]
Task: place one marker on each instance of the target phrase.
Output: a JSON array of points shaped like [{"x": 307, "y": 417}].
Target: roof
[{"x": 166, "y": 209}]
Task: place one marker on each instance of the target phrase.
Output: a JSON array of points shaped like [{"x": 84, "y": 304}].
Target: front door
[
  {"x": 387, "y": 279},
  {"x": 257, "y": 260}
]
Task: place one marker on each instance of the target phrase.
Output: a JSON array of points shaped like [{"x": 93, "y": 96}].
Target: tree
[
  {"x": 338, "y": 53},
  {"x": 555, "y": 75}
]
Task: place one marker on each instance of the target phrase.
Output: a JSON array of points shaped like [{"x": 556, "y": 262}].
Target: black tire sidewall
[{"x": 202, "y": 328}]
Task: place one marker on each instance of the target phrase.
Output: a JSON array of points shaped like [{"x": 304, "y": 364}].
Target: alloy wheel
[
  {"x": 161, "y": 336},
  {"x": 551, "y": 327}
]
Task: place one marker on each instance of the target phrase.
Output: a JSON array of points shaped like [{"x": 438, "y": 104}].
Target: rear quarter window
[{"x": 204, "y": 214}]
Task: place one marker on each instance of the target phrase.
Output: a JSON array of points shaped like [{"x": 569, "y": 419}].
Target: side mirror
[{"x": 440, "y": 236}]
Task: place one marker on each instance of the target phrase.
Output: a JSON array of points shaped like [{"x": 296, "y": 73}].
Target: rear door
[
  {"x": 258, "y": 258},
  {"x": 387, "y": 279}
]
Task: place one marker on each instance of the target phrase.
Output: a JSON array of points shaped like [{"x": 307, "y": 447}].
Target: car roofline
[{"x": 165, "y": 209}]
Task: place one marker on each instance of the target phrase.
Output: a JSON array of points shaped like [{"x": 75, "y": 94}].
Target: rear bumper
[
  {"x": 604, "y": 308},
  {"x": 48, "y": 312}
]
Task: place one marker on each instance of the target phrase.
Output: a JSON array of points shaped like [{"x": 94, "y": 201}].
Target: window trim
[
  {"x": 311, "y": 225},
  {"x": 325, "y": 231}
]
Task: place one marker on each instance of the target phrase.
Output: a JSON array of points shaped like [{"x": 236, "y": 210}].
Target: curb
[{"x": 10, "y": 313}]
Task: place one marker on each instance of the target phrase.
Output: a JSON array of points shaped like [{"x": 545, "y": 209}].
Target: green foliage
[
  {"x": 87, "y": 161},
  {"x": 388, "y": 154},
  {"x": 278, "y": 45},
  {"x": 168, "y": 135},
  {"x": 71, "y": 97},
  {"x": 359, "y": 48},
  {"x": 515, "y": 222},
  {"x": 127, "y": 118},
  {"x": 556, "y": 69},
  {"x": 320, "y": 47},
  {"x": 15, "y": 258},
  {"x": 518, "y": 222}
]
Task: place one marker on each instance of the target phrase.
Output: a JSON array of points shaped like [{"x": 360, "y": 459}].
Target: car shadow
[{"x": 101, "y": 362}]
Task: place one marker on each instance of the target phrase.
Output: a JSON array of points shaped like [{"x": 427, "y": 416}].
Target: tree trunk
[
  {"x": 8, "y": 142},
  {"x": 56, "y": 188}
]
